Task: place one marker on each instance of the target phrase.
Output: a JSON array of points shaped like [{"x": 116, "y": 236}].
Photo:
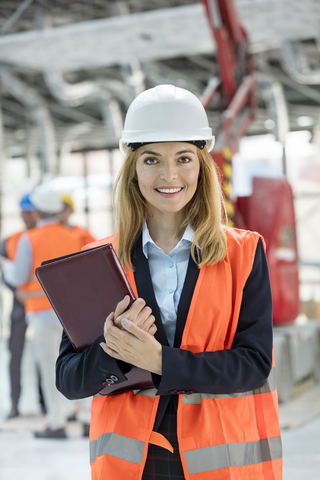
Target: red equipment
[{"x": 269, "y": 210}]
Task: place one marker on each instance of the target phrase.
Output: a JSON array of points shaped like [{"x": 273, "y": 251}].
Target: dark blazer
[{"x": 244, "y": 367}]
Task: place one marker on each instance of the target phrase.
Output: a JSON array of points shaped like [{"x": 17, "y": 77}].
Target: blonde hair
[{"x": 205, "y": 212}]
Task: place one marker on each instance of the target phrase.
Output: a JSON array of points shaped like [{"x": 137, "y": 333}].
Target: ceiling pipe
[
  {"x": 101, "y": 92},
  {"x": 133, "y": 78},
  {"x": 296, "y": 64},
  {"x": 273, "y": 94},
  {"x": 79, "y": 93},
  {"x": 15, "y": 16},
  {"x": 70, "y": 136},
  {"x": 40, "y": 113},
  {"x": 132, "y": 74},
  {"x": 274, "y": 97},
  {"x": 162, "y": 74}
]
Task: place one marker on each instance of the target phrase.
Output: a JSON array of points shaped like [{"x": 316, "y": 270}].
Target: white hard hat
[
  {"x": 46, "y": 200},
  {"x": 166, "y": 114}
]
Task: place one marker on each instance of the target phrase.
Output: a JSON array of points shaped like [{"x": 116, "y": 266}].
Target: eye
[
  {"x": 150, "y": 161},
  {"x": 184, "y": 160}
]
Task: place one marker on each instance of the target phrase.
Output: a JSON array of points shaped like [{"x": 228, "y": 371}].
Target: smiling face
[{"x": 167, "y": 176}]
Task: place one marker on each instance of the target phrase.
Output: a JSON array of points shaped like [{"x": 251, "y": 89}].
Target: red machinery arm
[
  {"x": 236, "y": 86},
  {"x": 236, "y": 83}
]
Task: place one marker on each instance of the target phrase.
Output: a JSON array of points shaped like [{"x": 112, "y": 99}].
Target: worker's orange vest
[
  {"x": 11, "y": 244},
  {"x": 225, "y": 437},
  {"x": 49, "y": 241},
  {"x": 83, "y": 234}
]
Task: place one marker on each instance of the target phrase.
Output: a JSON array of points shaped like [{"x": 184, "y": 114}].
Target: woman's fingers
[
  {"x": 109, "y": 351},
  {"x": 135, "y": 309},
  {"x": 108, "y": 323},
  {"x": 132, "y": 345},
  {"x": 122, "y": 310},
  {"x": 138, "y": 313},
  {"x": 122, "y": 306},
  {"x": 110, "y": 332},
  {"x": 149, "y": 326},
  {"x": 141, "y": 349},
  {"x": 152, "y": 330}
]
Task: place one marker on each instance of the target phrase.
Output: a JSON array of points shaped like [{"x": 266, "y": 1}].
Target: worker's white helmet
[
  {"x": 166, "y": 114},
  {"x": 46, "y": 200}
]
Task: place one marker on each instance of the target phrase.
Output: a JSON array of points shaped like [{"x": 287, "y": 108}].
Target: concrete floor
[{"x": 23, "y": 456}]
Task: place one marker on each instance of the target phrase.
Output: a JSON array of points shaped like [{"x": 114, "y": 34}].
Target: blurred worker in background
[
  {"x": 18, "y": 324},
  {"x": 48, "y": 240},
  {"x": 63, "y": 217}
]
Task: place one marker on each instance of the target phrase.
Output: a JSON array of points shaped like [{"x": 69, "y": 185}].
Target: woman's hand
[
  {"x": 138, "y": 313},
  {"x": 132, "y": 345}
]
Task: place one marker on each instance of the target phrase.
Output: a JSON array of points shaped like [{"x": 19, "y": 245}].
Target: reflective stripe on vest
[
  {"x": 233, "y": 455},
  {"x": 34, "y": 294},
  {"x": 26, "y": 294},
  {"x": 118, "y": 446},
  {"x": 269, "y": 386},
  {"x": 148, "y": 392}
]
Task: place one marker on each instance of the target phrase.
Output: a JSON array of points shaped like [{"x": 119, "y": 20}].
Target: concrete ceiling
[
  {"x": 80, "y": 63},
  {"x": 155, "y": 35}
]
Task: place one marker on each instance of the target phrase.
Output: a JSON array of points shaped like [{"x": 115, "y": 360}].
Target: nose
[{"x": 169, "y": 171}]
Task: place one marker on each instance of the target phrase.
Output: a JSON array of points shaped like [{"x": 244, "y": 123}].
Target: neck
[{"x": 164, "y": 231}]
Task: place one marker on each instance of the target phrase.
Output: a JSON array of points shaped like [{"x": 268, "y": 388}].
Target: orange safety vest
[
  {"x": 11, "y": 244},
  {"x": 83, "y": 234},
  {"x": 49, "y": 241},
  {"x": 225, "y": 437}
]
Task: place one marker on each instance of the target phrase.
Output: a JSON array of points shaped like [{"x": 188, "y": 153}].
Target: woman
[{"x": 202, "y": 325}]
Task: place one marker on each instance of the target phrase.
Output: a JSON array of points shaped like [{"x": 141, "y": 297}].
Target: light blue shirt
[
  {"x": 18, "y": 272},
  {"x": 168, "y": 274}
]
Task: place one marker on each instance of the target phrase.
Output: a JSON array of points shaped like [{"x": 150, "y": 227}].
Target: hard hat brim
[{"x": 123, "y": 144}]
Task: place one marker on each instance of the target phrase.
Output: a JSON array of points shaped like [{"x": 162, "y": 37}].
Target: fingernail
[{"x": 124, "y": 321}]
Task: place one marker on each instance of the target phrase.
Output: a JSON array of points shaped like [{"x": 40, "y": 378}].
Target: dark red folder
[{"x": 83, "y": 288}]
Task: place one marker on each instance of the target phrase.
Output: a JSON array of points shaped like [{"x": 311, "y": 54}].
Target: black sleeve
[
  {"x": 246, "y": 365},
  {"x": 81, "y": 375}
]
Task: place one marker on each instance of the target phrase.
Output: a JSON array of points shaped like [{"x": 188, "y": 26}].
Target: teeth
[{"x": 169, "y": 190}]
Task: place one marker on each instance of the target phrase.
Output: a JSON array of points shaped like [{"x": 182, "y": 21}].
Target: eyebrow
[
  {"x": 150, "y": 152},
  {"x": 185, "y": 151}
]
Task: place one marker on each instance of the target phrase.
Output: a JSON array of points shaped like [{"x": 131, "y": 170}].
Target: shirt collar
[
  {"x": 147, "y": 240},
  {"x": 46, "y": 221}
]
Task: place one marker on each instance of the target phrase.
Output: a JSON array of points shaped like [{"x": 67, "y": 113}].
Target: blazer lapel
[
  {"x": 145, "y": 289},
  {"x": 185, "y": 300}
]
